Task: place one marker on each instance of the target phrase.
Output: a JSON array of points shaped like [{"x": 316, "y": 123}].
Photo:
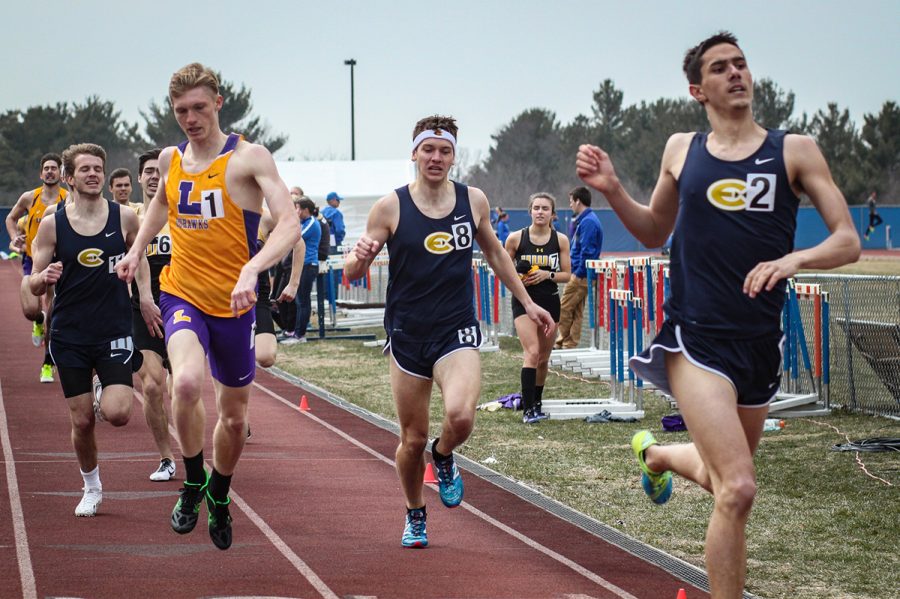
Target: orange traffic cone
[
  {"x": 430, "y": 478},
  {"x": 682, "y": 594},
  {"x": 304, "y": 405}
]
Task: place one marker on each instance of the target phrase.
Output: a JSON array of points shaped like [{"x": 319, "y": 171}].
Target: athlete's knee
[
  {"x": 82, "y": 423},
  {"x": 235, "y": 423},
  {"x": 736, "y": 494},
  {"x": 117, "y": 410},
  {"x": 153, "y": 389},
  {"x": 31, "y": 312},
  {"x": 413, "y": 442},
  {"x": 187, "y": 388},
  {"x": 532, "y": 356},
  {"x": 265, "y": 359},
  {"x": 461, "y": 422}
]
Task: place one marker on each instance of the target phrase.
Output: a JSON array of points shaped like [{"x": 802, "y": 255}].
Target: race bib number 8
[{"x": 462, "y": 236}]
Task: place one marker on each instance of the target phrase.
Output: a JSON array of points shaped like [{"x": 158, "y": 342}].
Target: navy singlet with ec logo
[
  {"x": 732, "y": 216},
  {"x": 430, "y": 287}
]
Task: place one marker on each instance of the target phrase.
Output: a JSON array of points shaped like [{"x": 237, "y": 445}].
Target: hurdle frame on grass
[{"x": 796, "y": 347}]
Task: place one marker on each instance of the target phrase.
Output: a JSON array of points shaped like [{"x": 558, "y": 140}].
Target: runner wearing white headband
[
  {"x": 431, "y": 227},
  {"x": 434, "y": 134}
]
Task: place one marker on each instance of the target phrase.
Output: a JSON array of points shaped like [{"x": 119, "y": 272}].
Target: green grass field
[{"x": 825, "y": 524}]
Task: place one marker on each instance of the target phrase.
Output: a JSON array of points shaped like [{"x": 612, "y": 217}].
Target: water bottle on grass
[{"x": 773, "y": 424}]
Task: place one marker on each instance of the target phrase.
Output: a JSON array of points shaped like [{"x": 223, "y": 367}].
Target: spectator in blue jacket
[
  {"x": 335, "y": 220},
  {"x": 502, "y": 225},
  {"x": 586, "y": 245},
  {"x": 312, "y": 233}
]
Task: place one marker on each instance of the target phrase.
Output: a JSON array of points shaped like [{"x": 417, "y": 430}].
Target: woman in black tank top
[{"x": 541, "y": 255}]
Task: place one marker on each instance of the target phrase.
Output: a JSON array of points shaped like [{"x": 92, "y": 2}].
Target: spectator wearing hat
[{"x": 335, "y": 219}]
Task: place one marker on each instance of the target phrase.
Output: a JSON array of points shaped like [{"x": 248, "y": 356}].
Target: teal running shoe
[
  {"x": 414, "y": 534},
  {"x": 450, "y": 484},
  {"x": 657, "y": 485},
  {"x": 219, "y": 521},
  {"x": 187, "y": 510}
]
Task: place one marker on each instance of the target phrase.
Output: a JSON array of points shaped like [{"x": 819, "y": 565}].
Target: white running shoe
[
  {"x": 90, "y": 501},
  {"x": 98, "y": 392},
  {"x": 165, "y": 471}
]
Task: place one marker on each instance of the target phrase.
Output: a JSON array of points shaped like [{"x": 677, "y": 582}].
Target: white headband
[{"x": 434, "y": 134}]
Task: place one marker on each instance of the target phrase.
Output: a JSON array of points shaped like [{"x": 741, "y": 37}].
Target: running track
[{"x": 316, "y": 504}]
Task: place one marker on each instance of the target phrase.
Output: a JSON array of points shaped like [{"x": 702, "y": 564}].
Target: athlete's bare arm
[
  {"x": 260, "y": 165},
  {"x": 501, "y": 262},
  {"x": 809, "y": 174},
  {"x": 20, "y": 209},
  {"x": 44, "y": 273},
  {"x": 651, "y": 224},
  {"x": 290, "y": 290},
  {"x": 154, "y": 218},
  {"x": 380, "y": 225}
]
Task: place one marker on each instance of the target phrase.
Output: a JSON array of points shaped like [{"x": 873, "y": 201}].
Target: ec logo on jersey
[
  {"x": 441, "y": 242},
  {"x": 180, "y": 317},
  {"x": 756, "y": 194},
  {"x": 90, "y": 257}
]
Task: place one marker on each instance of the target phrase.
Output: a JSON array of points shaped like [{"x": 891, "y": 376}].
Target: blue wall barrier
[{"x": 811, "y": 229}]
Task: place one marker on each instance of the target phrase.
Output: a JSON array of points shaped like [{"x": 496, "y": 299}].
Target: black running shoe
[
  {"x": 219, "y": 522},
  {"x": 187, "y": 510}
]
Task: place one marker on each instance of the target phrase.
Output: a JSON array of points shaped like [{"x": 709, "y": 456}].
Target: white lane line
[
  {"x": 26, "y": 571},
  {"x": 301, "y": 566},
  {"x": 619, "y": 592}
]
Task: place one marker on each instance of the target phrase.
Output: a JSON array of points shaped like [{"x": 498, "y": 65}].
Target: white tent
[{"x": 359, "y": 182}]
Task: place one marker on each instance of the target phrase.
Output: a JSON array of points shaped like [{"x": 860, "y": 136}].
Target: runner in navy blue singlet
[
  {"x": 732, "y": 198},
  {"x": 91, "y": 326},
  {"x": 541, "y": 255},
  {"x": 430, "y": 228}
]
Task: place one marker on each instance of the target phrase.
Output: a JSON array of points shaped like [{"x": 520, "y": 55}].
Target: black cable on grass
[{"x": 872, "y": 444}]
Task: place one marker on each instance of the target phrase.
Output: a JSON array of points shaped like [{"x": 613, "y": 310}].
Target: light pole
[{"x": 352, "y": 63}]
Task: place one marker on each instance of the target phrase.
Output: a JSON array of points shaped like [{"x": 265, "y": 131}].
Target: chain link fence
[{"x": 864, "y": 324}]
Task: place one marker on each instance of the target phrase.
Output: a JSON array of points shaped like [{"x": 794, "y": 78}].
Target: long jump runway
[{"x": 317, "y": 511}]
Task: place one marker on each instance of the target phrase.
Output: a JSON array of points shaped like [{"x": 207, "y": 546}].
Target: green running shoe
[
  {"x": 46, "y": 373},
  {"x": 657, "y": 485},
  {"x": 219, "y": 521},
  {"x": 187, "y": 510},
  {"x": 37, "y": 334}
]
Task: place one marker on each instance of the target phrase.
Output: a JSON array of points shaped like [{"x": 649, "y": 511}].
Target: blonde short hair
[{"x": 191, "y": 76}]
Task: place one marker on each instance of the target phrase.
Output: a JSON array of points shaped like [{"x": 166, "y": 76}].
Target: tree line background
[
  {"x": 533, "y": 152},
  {"x": 26, "y": 135}
]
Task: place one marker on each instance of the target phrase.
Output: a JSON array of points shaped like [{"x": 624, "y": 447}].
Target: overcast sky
[{"x": 483, "y": 61}]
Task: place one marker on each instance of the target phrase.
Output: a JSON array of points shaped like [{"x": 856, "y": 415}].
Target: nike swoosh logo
[
  {"x": 763, "y": 161},
  {"x": 116, "y": 355},
  {"x": 110, "y": 234},
  {"x": 459, "y": 217},
  {"x": 245, "y": 376},
  {"x": 213, "y": 175}
]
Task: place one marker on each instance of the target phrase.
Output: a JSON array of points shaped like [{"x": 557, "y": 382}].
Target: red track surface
[{"x": 316, "y": 504}]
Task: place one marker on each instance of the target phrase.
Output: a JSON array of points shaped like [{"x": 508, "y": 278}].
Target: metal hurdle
[
  {"x": 791, "y": 395},
  {"x": 624, "y": 314},
  {"x": 487, "y": 304},
  {"x": 362, "y": 301}
]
